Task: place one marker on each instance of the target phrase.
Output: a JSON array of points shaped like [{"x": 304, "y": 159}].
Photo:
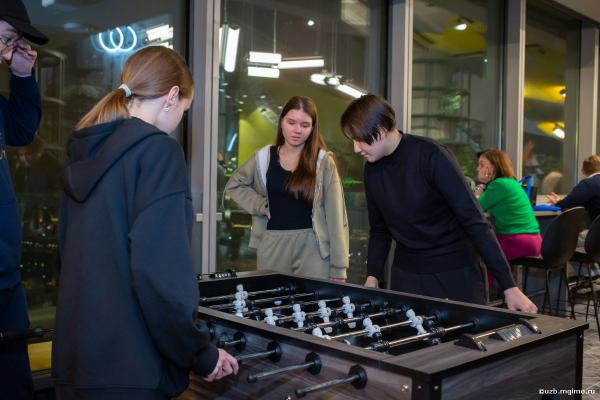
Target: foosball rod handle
[
  {"x": 273, "y": 353},
  {"x": 239, "y": 341},
  {"x": 357, "y": 376},
  {"x": 312, "y": 364}
]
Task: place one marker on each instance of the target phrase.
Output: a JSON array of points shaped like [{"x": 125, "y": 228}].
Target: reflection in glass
[
  {"x": 332, "y": 51},
  {"x": 456, "y": 75},
  {"x": 551, "y": 76},
  {"x": 83, "y": 60}
]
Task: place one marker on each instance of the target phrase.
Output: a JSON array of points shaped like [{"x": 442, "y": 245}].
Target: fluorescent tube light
[
  {"x": 264, "y": 58},
  {"x": 350, "y": 91},
  {"x": 319, "y": 79},
  {"x": 231, "y": 46},
  {"x": 263, "y": 72},
  {"x": 302, "y": 63},
  {"x": 162, "y": 33}
]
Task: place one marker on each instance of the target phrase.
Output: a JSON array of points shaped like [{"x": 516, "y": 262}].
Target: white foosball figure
[
  {"x": 319, "y": 333},
  {"x": 270, "y": 318},
  {"x": 239, "y": 305},
  {"x": 348, "y": 309},
  {"x": 370, "y": 328},
  {"x": 415, "y": 322},
  {"x": 240, "y": 289},
  {"x": 325, "y": 313},
  {"x": 299, "y": 315}
]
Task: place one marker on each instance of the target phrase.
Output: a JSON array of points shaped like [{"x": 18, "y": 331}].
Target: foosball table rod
[
  {"x": 312, "y": 364},
  {"x": 357, "y": 376}
]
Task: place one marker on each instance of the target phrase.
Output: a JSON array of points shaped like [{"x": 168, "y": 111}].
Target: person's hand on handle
[
  {"x": 371, "y": 282},
  {"x": 517, "y": 301},
  {"x": 338, "y": 280},
  {"x": 226, "y": 365}
]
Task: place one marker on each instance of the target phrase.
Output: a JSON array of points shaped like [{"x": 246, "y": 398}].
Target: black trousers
[
  {"x": 15, "y": 375},
  {"x": 464, "y": 284}
]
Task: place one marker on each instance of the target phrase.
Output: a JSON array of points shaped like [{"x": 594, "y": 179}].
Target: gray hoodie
[{"x": 248, "y": 188}]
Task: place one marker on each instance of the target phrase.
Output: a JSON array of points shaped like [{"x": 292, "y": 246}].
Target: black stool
[
  {"x": 587, "y": 257},
  {"x": 558, "y": 246}
]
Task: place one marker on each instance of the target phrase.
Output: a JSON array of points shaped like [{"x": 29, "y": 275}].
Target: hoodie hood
[{"x": 93, "y": 151}]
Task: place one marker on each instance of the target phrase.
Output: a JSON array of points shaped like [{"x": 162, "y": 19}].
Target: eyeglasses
[{"x": 9, "y": 45}]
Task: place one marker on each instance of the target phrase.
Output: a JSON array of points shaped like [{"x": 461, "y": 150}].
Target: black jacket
[
  {"x": 128, "y": 297},
  {"x": 19, "y": 119},
  {"x": 585, "y": 194},
  {"x": 418, "y": 196}
]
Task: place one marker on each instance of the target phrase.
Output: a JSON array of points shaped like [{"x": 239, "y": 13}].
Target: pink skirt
[{"x": 518, "y": 246}]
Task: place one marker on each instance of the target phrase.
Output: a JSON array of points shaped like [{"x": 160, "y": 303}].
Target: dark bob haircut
[{"x": 365, "y": 116}]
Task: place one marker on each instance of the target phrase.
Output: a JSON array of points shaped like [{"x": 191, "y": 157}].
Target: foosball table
[{"x": 300, "y": 337}]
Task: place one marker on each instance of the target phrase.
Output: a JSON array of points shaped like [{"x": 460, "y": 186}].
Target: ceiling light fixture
[
  {"x": 302, "y": 63},
  {"x": 264, "y": 58},
  {"x": 350, "y": 90},
  {"x": 263, "y": 72},
  {"x": 231, "y": 36}
]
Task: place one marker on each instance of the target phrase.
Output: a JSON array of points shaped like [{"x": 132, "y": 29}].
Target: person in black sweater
[
  {"x": 586, "y": 193},
  {"x": 417, "y": 195},
  {"x": 127, "y": 324}
]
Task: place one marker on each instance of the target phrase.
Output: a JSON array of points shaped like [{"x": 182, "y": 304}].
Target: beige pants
[{"x": 292, "y": 252}]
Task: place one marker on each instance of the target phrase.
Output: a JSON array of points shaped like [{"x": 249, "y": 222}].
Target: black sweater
[
  {"x": 418, "y": 196},
  {"x": 585, "y": 194},
  {"x": 128, "y": 296}
]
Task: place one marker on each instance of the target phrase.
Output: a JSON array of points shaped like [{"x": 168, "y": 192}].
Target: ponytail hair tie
[{"x": 128, "y": 92}]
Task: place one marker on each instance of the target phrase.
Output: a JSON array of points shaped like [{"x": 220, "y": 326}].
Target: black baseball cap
[{"x": 15, "y": 13}]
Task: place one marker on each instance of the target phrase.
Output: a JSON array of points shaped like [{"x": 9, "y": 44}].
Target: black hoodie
[{"x": 128, "y": 298}]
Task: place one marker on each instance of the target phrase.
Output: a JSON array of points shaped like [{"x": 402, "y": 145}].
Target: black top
[
  {"x": 585, "y": 194},
  {"x": 286, "y": 211},
  {"x": 418, "y": 196},
  {"x": 128, "y": 297}
]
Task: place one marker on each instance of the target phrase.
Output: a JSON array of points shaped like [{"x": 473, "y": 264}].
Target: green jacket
[{"x": 247, "y": 187}]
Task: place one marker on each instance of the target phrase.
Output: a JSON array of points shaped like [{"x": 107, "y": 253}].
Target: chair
[
  {"x": 588, "y": 258},
  {"x": 558, "y": 246}
]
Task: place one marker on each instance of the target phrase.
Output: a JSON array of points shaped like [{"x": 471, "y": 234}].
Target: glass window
[
  {"x": 457, "y": 75},
  {"x": 331, "y": 51},
  {"x": 82, "y": 62},
  {"x": 551, "y": 82}
]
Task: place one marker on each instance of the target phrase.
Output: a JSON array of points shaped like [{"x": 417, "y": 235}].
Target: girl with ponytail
[{"x": 126, "y": 324}]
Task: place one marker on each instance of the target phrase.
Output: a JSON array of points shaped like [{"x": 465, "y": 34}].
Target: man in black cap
[{"x": 19, "y": 120}]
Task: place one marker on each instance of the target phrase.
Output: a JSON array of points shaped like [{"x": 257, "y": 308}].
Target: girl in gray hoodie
[{"x": 294, "y": 194}]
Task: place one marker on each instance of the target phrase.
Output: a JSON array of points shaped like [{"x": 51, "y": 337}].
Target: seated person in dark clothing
[
  {"x": 586, "y": 193},
  {"x": 417, "y": 195}
]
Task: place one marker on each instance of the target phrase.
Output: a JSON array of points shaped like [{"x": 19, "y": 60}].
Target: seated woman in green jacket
[
  {"x": 295, "y": 196},
  {"x": 517, "y": 230}
]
